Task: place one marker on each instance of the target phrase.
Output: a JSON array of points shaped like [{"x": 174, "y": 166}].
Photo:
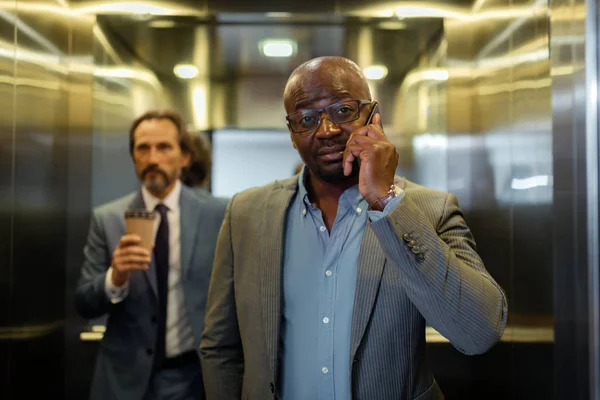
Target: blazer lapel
[
  {"x": 371, "y": 264},
  {"x": 190, "y": 217},
  {"x": 272, "y": 247},
  {"x": 370, "y": 270},
  {"x": 138, "y": 204}
]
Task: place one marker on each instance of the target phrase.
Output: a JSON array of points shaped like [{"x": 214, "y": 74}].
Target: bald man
[{"x": 323, "y": 283}]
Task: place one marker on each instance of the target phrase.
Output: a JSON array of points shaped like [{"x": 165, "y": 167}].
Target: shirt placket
[
  {"x": 328, "y": 289},
  {"x": 326, "y": 302}
]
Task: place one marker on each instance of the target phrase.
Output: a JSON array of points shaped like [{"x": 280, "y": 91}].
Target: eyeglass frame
[{"x": 320, "y": 111}]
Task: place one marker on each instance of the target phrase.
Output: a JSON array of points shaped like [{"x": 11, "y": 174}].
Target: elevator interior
[{"x": 485, "y": 99}]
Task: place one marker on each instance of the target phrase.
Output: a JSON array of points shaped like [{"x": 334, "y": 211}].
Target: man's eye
[{"x": 345, "y": 110}]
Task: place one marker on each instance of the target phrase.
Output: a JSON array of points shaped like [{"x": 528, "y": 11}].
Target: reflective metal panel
[
  {"x": 40, "y": 186},
  {"x": 499, "y": 163},
  {"x": 592, "y": 127},
  {"x": 575, "y": 108},
  {"x": 7, "y": 32}
]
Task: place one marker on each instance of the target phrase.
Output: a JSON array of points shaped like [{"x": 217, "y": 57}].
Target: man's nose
[
  {"x": 153, "y": 156},
  {"x": 328, "y": 128}
]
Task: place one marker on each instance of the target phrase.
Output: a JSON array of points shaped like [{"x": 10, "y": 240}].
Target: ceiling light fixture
[
  {"x": 185, "y": 71},
  {"x": 277, "y": 47},
  {"x": 161, "y": 24},
  {"x": 278, "y": 15},
  {"x": 376, "y": 72}
]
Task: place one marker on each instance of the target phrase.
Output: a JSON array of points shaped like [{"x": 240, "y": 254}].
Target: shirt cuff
[
  {"x": 375, "y": 215},
  {"x": 116, "y": 294}
]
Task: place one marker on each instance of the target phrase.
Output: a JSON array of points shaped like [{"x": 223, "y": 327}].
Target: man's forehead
[
  {"x": 156, "y": 129},
  {"x": 305, "y": 93},
  {"x": 315, "y": 84},
  {"x": 319, "y": 100}
]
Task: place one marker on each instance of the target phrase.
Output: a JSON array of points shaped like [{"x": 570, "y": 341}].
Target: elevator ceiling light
[
  {"x": 278, "y": 15},
  {"x": 391, "y": 25},
  {"x": 162, "y": 24},
  {"x": 376, "y": 72},
  {"x": 278, "y": 47},
  {"x": 185, "y": 71}
]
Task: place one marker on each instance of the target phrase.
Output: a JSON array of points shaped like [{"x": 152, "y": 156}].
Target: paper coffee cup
[{"x": 141, "y": 223}]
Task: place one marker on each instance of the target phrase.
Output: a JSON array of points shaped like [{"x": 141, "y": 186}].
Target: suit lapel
[
  {"x": 370, "y": 270},
  {"x": 272, "y": 246},
  {"x": 138, "y": 204},
  {"x": 190, "y": 217},
  {"x": 371, "y": 264}
]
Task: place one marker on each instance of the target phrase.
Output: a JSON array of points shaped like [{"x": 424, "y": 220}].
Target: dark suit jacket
[
  {"x": 417, "y": 264},
  {"x": 124, "y": 362}
]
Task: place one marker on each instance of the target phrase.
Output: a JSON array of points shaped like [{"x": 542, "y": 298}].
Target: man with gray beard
[{"x": 155, "y": 299}]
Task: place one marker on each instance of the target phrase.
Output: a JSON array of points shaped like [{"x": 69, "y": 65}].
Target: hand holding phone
[
  {"x": 377, "y": 157},
  {"x": 374, "y": 110}
]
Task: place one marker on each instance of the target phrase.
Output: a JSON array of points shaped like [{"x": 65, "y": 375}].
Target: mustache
[
  {"x": 325, "y": 144},
  {"x": 154, "y": 168},
  {"x": 332, "y": 142}
]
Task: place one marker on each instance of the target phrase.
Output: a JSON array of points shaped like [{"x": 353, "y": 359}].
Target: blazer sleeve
[
  {"x": 443, "y": 274},
  {"x": 221, "y": 351},
  {"x": 91, "y": 300}
]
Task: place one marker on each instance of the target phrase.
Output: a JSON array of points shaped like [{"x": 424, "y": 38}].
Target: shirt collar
[
  {"x": 351, "y": 198},
  {"x": 171, "y": 201},
  {"x": 302, "y": 192}
]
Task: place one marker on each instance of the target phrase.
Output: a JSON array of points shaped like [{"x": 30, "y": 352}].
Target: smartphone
[{"x": 374, "y": 110}]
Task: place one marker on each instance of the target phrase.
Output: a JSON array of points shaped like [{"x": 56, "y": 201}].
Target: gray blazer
[
  {"x": 124, "y": 362},
  {"x": 396, "y": 293}
]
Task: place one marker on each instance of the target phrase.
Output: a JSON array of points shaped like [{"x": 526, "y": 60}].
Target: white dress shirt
[{"x": 179, "y": 334}]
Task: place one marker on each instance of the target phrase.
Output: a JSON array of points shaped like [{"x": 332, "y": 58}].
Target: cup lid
[{"x": 139, "y": 214}]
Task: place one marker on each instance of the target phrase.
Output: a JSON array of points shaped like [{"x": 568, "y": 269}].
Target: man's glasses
[{"x": 343, "y": 112}]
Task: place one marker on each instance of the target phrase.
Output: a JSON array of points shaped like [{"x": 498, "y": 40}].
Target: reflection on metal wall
[
  {"x": 481, "y": 103},
  {"x": 575, "y": 136},
  {"x": 34, "y": 145},
  {"x": 496, "y": 150},
  {"x": 418, "y": 128},
  {"x": 66, "y": 99},
  {"x": 122, "y": 90}
]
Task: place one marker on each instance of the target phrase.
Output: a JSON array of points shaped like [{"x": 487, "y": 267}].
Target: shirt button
[
  {"x": 325, "y": 320},
  {"x": 322, "y": 228},
  {"x": 358, "y": 210},
  {"x": 328, "y": 273},
  {"x": 324, "y": 370},
  {"x": 304, "y": 211}
]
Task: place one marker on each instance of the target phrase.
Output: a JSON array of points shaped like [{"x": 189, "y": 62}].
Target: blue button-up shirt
[{"x": 319, "y": 281}]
